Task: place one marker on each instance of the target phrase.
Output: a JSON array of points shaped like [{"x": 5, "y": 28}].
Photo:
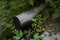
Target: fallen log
[{"x": 24, "y": 19}]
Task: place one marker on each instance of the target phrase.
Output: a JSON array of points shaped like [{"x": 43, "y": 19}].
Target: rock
[{"x": 48, "y": 36}]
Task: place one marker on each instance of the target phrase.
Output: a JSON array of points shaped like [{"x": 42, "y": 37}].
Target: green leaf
[
  {"x": 56, "y": 13},
  {"x": 31, "y": 2},
  {"x": 18, "y": 33}
]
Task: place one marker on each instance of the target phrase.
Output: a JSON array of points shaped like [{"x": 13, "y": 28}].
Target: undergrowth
[{"x": 10, "y": 8}]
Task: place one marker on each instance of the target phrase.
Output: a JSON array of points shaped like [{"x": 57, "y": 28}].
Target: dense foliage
[{"x": 10, "y": 8}]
